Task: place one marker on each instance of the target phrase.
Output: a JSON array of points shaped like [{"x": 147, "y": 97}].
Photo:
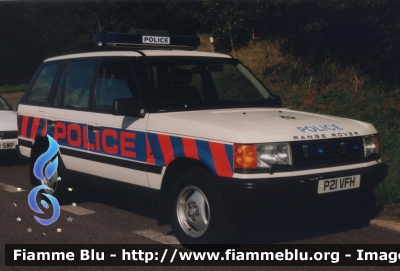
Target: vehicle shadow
[
  {"x": 302, "y": 225},
  {"x": 251, "y": 229},
  {"x": 113, "y": 194}
]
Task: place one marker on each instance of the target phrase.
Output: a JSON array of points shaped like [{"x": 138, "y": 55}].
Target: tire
[
  {"x": 367, "y": 206},
  {"x": 197, "y": 212},
  {"x": 58, "y": 189}
]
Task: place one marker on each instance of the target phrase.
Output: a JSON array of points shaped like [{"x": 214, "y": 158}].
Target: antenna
[{"x": 98, "y": 21}]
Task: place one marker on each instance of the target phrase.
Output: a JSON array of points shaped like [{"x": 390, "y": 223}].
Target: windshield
[
  {"x": 4, "y": 105},
  {"x": 193, "y": 83}
]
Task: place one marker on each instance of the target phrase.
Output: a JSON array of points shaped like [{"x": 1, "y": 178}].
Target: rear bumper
[
  {"x": 21, "y": 156},
  {"x": 250, "y": 195}
]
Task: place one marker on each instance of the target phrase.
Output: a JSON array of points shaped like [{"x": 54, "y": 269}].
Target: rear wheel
[
  {"x": 198, "y": 212},
  {"x": 57, "y": 187}
]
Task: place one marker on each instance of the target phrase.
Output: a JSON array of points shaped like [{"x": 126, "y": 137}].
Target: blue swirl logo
[{"x": 43, "y": 170}]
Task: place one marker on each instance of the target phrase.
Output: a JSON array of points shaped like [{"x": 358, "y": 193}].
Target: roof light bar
[{"x": 144, "y": 39}]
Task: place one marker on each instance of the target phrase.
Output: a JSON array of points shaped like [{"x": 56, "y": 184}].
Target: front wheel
[
  {"x": 198, "y": 213},
  {"x": 193, "y": 211},
  {"x": 57, "y": 183}
]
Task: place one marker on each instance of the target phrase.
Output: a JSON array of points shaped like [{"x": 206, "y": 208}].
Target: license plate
[
  {"x": 338, "y": 184},
  {"x": 8, "y": 145}
]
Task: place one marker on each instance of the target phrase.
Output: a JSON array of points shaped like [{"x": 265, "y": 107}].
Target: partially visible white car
[{"x": 8, "y": 127}]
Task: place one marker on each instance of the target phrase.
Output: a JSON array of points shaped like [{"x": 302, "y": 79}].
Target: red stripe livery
[
  {"x": 221, "y": 162},
  {"x": 24, "y": 125},
  {"x": 166, "y": 148},
  {"x": 190, "y": 148}
]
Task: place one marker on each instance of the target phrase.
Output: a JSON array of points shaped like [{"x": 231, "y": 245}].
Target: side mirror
[{"x": 127, "y": 107}]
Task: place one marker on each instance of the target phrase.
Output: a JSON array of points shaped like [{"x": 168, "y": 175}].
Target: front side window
[
  {"x": 235, "y": 83},
  {"x": 201, "y": 83},
  {"x": 75, "y": 85},
  {"x": 41, "y": 90},
  {"x": 115, "y": 81}
]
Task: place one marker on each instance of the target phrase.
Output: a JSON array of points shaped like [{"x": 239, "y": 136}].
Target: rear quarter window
[{"x": 41, "y": 91}]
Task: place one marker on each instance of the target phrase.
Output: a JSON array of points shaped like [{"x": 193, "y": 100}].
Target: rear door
[{"x": 68, "y": 117}]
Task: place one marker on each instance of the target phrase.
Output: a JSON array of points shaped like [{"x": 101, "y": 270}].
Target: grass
[
  {"x": 12, "y": 88},
  {"x": 333, "y": 89}
]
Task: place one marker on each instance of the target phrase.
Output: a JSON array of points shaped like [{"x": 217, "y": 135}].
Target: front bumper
[{"x": 276, "y": 194}]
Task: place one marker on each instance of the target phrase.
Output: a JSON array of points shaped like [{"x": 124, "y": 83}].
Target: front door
[{"x": 116, "y": 144}]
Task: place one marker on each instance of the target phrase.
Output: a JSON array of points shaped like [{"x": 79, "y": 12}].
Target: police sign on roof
[
  {"x": 155, "y": 40},
  {"x": 144, "y": 40}
]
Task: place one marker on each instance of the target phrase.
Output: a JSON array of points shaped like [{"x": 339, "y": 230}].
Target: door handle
[
  {"x": 94, "y": 128},
  {"x": 51, "y": 122}
]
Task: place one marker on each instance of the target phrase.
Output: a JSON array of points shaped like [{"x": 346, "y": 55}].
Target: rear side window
[
  {"x": 41, "y": 90},
  {"x": 75, "y": 85},
  {"x": 115, "y": 81}
]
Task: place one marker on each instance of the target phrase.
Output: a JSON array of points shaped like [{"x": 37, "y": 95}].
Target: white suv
[{"x": 197, "y": 128}]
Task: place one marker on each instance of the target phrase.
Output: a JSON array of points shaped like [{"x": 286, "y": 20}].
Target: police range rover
[{"x": 197, "y": 128}]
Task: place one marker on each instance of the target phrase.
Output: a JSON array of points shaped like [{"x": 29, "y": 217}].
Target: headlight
[
  {"x": 371, "y": 145},
  {"x": 251, "y": 156},
  {"x": 273, "y": 154}
]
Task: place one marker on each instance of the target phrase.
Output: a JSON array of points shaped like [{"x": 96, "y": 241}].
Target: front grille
[
  {"x": 9, "y": 135},
  {"x": 327, "y": 152}
]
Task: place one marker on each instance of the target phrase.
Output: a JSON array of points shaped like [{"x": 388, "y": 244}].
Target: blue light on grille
[
  {"x": 353, "y": 146},
  {"x": 314, "y": 150}
]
